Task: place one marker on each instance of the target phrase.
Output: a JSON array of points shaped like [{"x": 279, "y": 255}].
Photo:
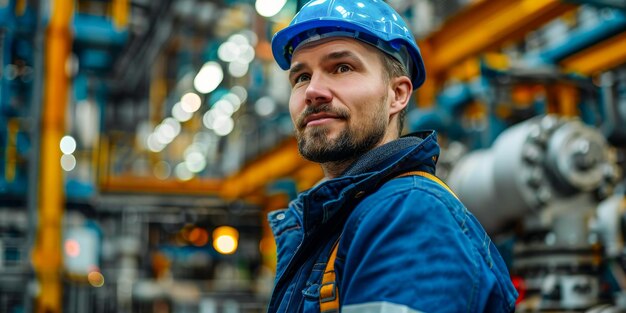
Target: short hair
[{"x": 392, "y": 68}]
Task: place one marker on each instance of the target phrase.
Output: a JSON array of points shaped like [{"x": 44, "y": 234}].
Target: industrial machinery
[
  {"x": 531, "y": 166},
  {"x": 542, "y": 181}
]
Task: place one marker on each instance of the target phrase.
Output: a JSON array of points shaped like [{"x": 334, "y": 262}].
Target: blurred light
[
  {"x": 209, "y": 77},
  {"x": 239, "y": 40},
  {"x": 225, "y": 239},
  {"x": 193, "y": 148},
  {"x": 223, "y": 125},
  {"x": 269, "y": 8},
  {"x": 95, "y": 279},
  {"x": 185, "y": 231},
  {"x": 182, "y": 172},
  {"x": 68, "y": 162},
  {"x": 237, "y": 69},
  {"x": 225, "y": 107},
  {"x": 225, "y": 244},
  {"x": 68, "y": 145},
  {"x": 209, "y": 119},
  {"x": 233, "y": 99},
  {"x": 162, "y": 170},
  {"x": 166, "y": 130},
  {"x": 199, "y": 237},
  {"x": 180, "y": 114},
  {"x": 190, "y": 102},
  {"x": 72, "y": 248},
  {"x": 247, "y": 55},
  {"x": 195, "y": 162},
  {"x": 173, "y": 123},
  {"x": 11, "y": 71},
  {"x": 153, "y": 143},
  {"x": 240, "y": 92},
  {"x": 164, "y": 133},
  {"x": 250, "y": 36},
  {"x": 265, "y": 106},
  {"x": 228, "y": 51}
]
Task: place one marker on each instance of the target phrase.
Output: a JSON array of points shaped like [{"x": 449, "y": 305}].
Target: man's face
[{"x": 339, "y": 99}]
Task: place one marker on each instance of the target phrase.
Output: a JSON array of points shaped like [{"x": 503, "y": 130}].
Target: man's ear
[{"x": 401, "y": 88}]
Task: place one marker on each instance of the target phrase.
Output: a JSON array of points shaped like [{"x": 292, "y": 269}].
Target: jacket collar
[{"x": 323, "y": 202}]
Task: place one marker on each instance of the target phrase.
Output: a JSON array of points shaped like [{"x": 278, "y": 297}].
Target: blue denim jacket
[{"x": 405, "y": 244}]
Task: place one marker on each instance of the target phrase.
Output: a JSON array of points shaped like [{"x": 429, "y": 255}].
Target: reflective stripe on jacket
[{"x": 407, "y": 244}]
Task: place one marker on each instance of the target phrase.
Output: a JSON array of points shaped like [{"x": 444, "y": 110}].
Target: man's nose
[{"x": 318, "y": 91}]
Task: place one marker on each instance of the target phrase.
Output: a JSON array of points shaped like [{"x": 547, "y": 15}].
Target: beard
[{"x": 353, "y": 141}]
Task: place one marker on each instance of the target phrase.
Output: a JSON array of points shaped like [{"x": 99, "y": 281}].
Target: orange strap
[
  {"x": 329, "y": 292},
  {"x": 431, "y": 177}
]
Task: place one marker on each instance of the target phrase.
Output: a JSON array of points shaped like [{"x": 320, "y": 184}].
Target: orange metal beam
[
  {"x": 485, "y": 25},
  {"x": 308, "y": 175},
  {"x": 133, "y": 184},
  {"x": 47, "y": 250},
  {"x": 281, "y": 162},
  {"x": 600, "y": 57}
]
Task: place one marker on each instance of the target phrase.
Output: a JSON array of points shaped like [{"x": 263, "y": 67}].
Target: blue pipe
[
  {"x": 94, "y": 30},
  {"x": 454, "y": 97},
  {"x": 6, "y": 13},
  {"x": 579, "y": 39}
]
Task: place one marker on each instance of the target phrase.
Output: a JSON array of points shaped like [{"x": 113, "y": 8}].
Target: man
[{"x": 381, "y": 233}]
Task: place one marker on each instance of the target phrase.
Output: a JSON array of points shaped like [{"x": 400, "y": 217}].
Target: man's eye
[
  {"x": 301, "y": 78},
  {"x": 343, "y": 68}
]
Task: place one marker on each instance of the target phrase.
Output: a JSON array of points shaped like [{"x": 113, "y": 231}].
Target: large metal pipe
[
  {"x": 530, "y": 166},
  {"x": 47, "y": 258}
]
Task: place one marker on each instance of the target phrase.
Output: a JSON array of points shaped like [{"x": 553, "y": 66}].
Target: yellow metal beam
[
  {"x": 486, "y": 25},
  {"x": 47, "y": 251},
  {"x": 600, "y": 57}
]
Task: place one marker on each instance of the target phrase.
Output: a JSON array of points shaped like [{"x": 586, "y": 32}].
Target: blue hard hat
[{"x": 371, "y": 21}]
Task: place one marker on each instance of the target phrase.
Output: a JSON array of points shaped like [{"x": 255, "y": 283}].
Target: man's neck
[{"x": 335, "y": 169}]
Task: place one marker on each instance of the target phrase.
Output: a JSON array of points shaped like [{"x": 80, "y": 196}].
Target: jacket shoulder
[{"x": 414, "y": 228}]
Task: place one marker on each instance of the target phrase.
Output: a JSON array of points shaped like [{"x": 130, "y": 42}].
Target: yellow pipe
[
  {"x": 120, "y": 13},
  {"x": 20, "y": 7},
  {"x": 47, "y": 251},
  {"x": 567, "y": 100}
]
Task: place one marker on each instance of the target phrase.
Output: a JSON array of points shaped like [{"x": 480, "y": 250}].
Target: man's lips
[{"x": 318, "y": 118}]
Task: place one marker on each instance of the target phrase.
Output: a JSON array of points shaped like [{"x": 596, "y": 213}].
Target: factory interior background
[{"x": 143, "y": 142}]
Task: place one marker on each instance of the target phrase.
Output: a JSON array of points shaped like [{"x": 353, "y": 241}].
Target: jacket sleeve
[{"x": 409, "y": 250}]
